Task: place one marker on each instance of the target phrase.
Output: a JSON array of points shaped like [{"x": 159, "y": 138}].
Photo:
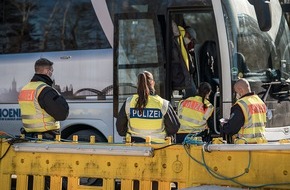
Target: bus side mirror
[{"x": 263, "y": 13}]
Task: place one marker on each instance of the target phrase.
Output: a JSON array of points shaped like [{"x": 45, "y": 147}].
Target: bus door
[
  {"x": 147, "y": 41},
  {"x": 138, "y": 47},
  {"x": 201, "y": 61}
]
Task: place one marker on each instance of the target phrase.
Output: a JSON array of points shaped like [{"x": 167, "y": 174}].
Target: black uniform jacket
[
  {"x": 236, "y": 121},
  {"x": 50, "y": 100}
]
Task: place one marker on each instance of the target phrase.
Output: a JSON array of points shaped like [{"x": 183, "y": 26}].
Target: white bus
[{"x": 99, "y": 46}]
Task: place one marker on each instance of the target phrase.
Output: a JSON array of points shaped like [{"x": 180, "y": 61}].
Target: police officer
[
  {"x": 186, "y": 42},
  {"x": 194, "y": 112},
  {"x": 248, "y": 115},
  {"x": 147, "y": 114},
  {"x": 42, "y": 106}
]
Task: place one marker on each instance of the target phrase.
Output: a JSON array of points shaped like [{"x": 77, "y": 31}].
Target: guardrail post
[
  {"x": 110, "y": 139},
  {"x": 75, "y": 138},
  {"x": 5, "y": 179},
  {"x": 55, "y": 182},
  {"x": 38, "y": 182},
  {"x": 22, "y": 182},
  {"x": 92, "y": 139},
  {"x": 72, "y": 183}
]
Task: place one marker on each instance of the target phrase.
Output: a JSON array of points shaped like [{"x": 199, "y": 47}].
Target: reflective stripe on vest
[
  {"x": 150, "y": 121},
  {"x": 34, "y": 118},
  {"x": 246, "y": 136},
  {"x": 192, "y": 116},
  {"x": 254, "y": 110}
]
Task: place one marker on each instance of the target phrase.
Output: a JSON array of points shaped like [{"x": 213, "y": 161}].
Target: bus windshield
[
  {"x": 261, "y": 57},
  {"x": 245, "y": 38}
]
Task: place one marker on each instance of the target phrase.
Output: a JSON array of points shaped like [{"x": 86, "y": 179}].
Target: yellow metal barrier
[{"x": 108, "y": 166}]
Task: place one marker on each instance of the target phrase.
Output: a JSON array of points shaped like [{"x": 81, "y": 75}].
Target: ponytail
[
  {"x": 144, "y": 89},
  {"x": 203, "y": 90}
]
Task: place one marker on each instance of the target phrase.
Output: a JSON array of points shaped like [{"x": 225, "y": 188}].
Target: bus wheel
[{"x": 84, "y": 135}]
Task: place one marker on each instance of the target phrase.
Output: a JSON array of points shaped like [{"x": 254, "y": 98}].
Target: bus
[{"x": 99, "y": 46}]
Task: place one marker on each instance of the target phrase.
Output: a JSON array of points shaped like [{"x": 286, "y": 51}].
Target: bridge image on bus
[{"x": 99, "y": 46}]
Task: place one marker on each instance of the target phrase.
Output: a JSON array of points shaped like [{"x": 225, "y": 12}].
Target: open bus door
[
  {"x": 146, "y": 41},
  {"x": 203, "y": 55}
]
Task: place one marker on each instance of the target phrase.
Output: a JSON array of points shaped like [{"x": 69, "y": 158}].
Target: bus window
[
  {"x": 69, "y": 33},
  {"x": 59, "y": 25},
  {"x": 59, "y": 30},
  {"x": 137, "y": 50}
]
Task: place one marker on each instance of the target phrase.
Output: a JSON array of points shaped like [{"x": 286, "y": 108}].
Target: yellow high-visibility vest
[
  {"x": 192, "y": 116},
  {"x": 34, "y": 118},
  {"x": 149, "y": 122},
  {"x": 254, "y": 110},
  {"x": 182, "y": 46}
]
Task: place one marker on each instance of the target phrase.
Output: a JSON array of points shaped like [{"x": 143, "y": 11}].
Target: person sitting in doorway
[{"x": 181, "y": 63}]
